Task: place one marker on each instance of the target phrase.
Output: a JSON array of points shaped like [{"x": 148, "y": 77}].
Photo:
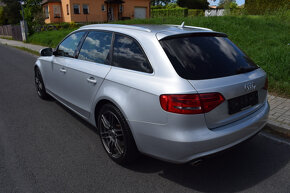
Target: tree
[
  {"x": 10, "y": 13},
  {"x": 193, "y": 4},
  {"x": 160, "y": 2},
  {"x": 228, "y": 4},
  {"x": 33, "y": 14}
]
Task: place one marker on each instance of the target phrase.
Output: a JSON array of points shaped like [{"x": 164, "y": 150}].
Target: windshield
[{"x": 206, "y": 57}]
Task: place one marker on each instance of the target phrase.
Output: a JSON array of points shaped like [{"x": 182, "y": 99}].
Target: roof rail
[
  {"x": 117, "y": 26},
  {"x": 192, "y": 27}
]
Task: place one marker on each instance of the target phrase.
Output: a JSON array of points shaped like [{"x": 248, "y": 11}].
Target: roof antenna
[{"x": 182, "y": 25}]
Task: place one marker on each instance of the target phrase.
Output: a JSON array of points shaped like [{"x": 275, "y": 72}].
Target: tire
[
  {"x": 40, "y": 88},
  {"x": 116, "y": 135}
]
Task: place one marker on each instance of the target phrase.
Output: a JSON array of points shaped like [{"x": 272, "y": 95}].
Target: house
[{"x": 82, "y": 11}]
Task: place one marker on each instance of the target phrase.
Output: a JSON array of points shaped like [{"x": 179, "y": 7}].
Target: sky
[{"x": 239, "y": 2}]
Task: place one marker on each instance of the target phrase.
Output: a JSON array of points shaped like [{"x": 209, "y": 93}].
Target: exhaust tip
[{"x": 196, "y": 162}]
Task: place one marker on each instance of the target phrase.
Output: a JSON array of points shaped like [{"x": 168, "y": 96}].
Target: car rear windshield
[{"x": 205, "y": 57}]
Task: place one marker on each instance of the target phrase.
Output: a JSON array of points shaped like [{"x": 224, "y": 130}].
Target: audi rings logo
[{"x": 250, "y": 86}]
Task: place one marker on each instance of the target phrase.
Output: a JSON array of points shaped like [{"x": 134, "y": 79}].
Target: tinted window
[
  {"x": 128, "y": 54},
  {"x": 70, "y": 44},
  {"x": 206, "y": 57},
  {"x": 96, "y": 47}
]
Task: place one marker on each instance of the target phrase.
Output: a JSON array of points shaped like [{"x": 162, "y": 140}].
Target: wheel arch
[{"x": 102, "y": 102}]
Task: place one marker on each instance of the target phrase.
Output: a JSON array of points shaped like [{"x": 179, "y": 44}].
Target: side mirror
[{"x": 46, "y": 52}]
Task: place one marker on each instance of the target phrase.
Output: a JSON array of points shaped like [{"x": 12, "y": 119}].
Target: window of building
[
  {"x": 56, "y": 11},
  {"x": 46, "y": 13},
  {"x": 85, "y": 9},
  {"x": 128, "y": 54},
  {"x": 96, "y": 47},
  {"x": 67, "y": 9},
  {"x": 76, "y": 9},
  {"x": 69, "y": 45},
  {"x": 103, "y": 7},
  {"x": 121, "y": 8}
]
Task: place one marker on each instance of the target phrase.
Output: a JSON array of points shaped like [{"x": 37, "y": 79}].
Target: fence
[
  {"x": 214, "y": 12},
  {"x": 13, "y": 31}
]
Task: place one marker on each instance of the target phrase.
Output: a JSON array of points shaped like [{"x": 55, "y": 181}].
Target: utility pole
[{"x": 23, "y": 23}]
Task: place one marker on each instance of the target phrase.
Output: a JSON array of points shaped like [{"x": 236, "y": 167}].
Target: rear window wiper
[{"x": 246, "y": 69}]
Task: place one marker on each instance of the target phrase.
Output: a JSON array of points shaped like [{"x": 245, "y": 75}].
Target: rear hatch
[{"x": 212, "y": 63}]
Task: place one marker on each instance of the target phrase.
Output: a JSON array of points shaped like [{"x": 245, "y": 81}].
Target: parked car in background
[{"x": 176, "y": 93}]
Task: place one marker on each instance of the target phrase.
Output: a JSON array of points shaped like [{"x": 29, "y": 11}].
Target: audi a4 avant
[{"x": 176, "y": 93}]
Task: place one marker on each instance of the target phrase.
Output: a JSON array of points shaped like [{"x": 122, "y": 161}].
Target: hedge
[
  {"x": 176, "y": 12},
  {"x": 257, "y": 7},
  {"x": 195, "y": 12}
]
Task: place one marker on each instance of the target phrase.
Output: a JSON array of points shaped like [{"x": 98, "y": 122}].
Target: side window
[
  {"x": 96, "y": 47},
  {"x": 70, "y": 44},
  {"x": 128, "y": 54}
]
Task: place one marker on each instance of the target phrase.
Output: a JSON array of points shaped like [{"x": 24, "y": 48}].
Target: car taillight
[
  {"x": 190, "y": 103},
  {"x": 266, "y": 84}
]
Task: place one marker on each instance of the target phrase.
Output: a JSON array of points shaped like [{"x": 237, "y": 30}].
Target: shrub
[
  {"x": 176, "y": 12},
  {"x": 195, "y": 12},
  {"x": 261, "y": 7}
]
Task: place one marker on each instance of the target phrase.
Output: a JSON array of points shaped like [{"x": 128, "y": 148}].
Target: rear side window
[
  {"x": 206, "y": 57},
  {"x": 70, "y": 44},
  {"x": 96, "y": 47},
  {"x": 128, "y": 54}
]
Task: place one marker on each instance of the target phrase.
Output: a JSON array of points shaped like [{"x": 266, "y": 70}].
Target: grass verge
[
  {"x": 264, "y": 38},
  {"x": 27, "y": 50},
  {"x": 48, "y": 38}
]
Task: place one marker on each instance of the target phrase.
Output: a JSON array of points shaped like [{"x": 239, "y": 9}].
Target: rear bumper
[{"x": 180, "y": 145}]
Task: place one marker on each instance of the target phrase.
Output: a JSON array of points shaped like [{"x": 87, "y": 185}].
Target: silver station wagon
[{"x": 176, "y": 93}]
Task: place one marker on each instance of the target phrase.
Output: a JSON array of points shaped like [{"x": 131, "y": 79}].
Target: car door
[
  {"x": 65, "y": 54},
  {"x": 85, "y": 74}
]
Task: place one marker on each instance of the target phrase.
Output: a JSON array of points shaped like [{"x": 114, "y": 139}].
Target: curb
[{"x": 278, "y": 128}]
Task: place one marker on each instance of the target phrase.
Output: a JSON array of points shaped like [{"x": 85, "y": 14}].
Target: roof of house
[{"x": 50, "y": 1}]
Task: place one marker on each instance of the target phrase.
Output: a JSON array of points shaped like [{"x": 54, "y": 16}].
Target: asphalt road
[{"x": 46, "y": 148}]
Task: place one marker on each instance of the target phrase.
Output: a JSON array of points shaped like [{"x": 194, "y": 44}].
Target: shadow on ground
[{"x": 234, "y": 170}]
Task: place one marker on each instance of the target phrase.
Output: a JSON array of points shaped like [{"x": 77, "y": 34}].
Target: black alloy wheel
[{"x": 115, "y": 135}]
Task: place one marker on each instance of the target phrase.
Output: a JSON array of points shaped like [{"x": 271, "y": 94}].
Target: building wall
[
  {"x": 95, "y": 10},
  {"x": 129, "y": 6},
  {"x": 51, "y": 18},
  {"x": 66, "y": 17}
]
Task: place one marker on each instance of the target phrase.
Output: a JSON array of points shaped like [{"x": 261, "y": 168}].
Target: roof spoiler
[{"x": 194, "y": 34}]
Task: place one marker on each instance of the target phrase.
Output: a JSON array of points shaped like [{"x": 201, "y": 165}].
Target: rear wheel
[
  {"x": 115, "y": 135},
  {"x": 39, "y": 84}
]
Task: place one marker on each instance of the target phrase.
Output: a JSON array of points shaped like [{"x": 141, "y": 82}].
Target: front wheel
[
  {"x": 39, "y": 84},
  {"x": 115, "y": 135}
]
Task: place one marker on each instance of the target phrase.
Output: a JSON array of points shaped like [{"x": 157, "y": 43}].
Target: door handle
[
  {"x": 92, "y": 80},
  {"x": 62, "y": 70}
]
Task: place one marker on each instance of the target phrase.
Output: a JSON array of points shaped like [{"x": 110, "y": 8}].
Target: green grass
[
  {"x": 48, "y": 38},
  {"x": 264, "y": 38},
  {"x": 6, "y": 37}
]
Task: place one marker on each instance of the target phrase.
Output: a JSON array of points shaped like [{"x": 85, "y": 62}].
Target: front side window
[
  {"x": 76, "y": 9},
  {"x": 85, "y": 9},
  {"x": 69, "y": 45},
  {"x": 96, "y": 47},
  {"x": 56, "y": 11},
  {"x": 128, "y": 54},
  {"x": 206, "y": 56}
]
